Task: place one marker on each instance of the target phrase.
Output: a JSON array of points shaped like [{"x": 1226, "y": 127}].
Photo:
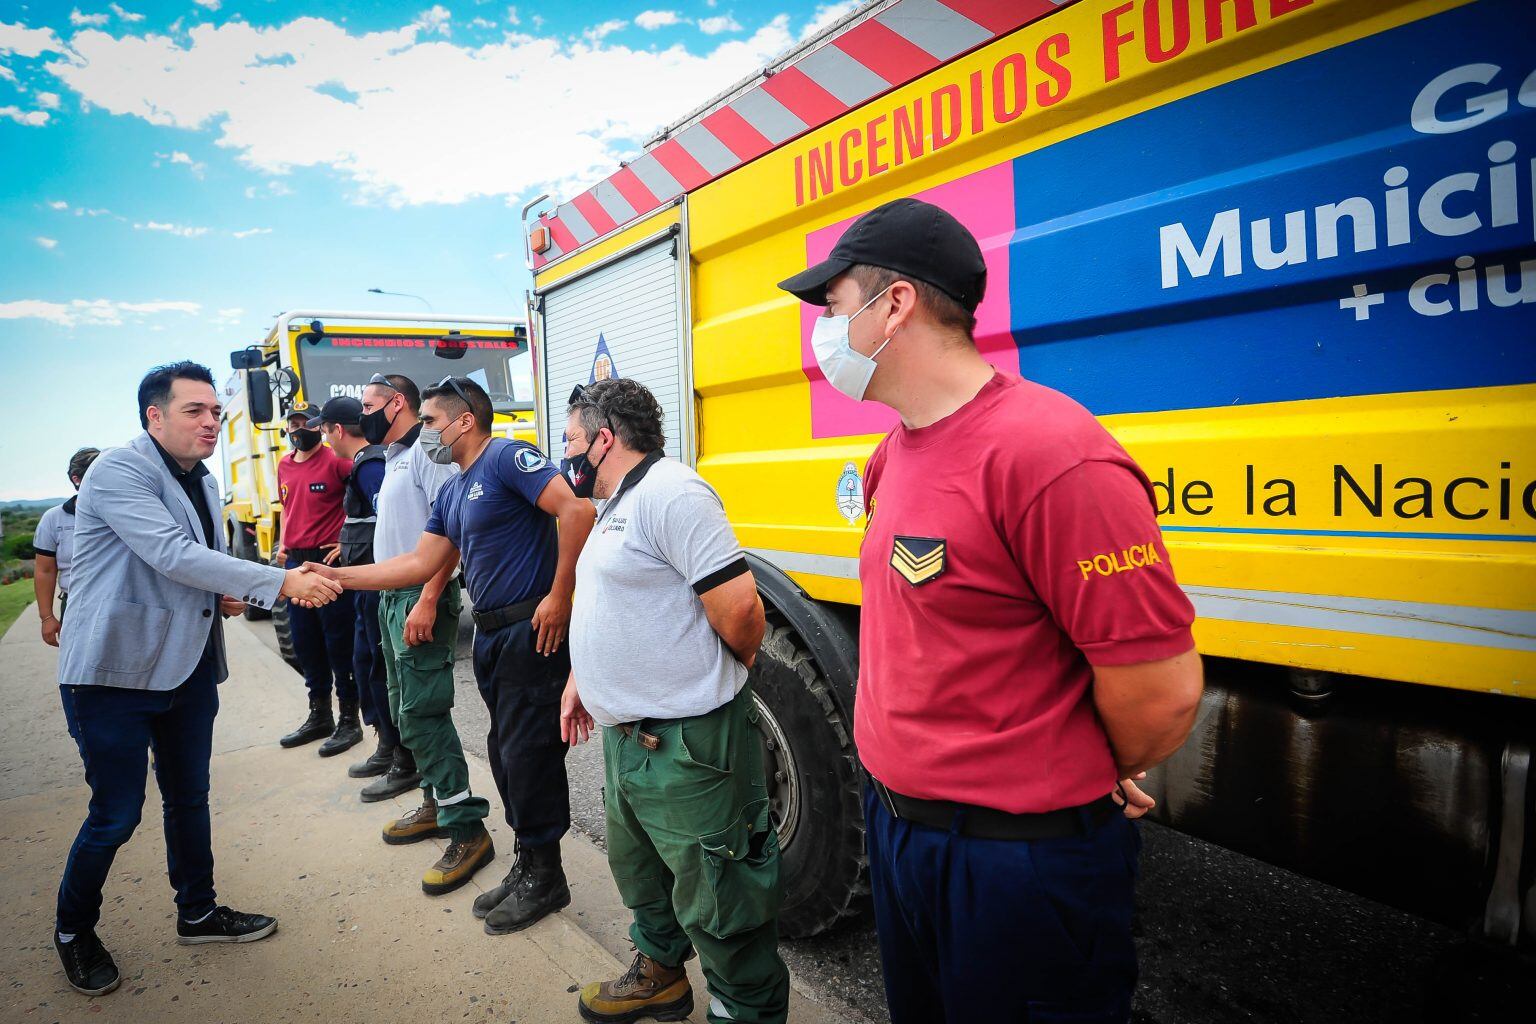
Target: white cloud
[
  {"x": 49, "y": 100},
  {"x": 174, "y": 229},
  {"x": 178, "y": 157},
  {"x": 512, "y": 18},
  {"x": 273, "y": 189},
  {"x": 125, "y": 15},
  {"x": 92, "y": 20},
  {"x": 228, "y": 317},
  {"x": 434, "y": 19},
  {"x": 481, "y": 23},
  {"x": 91, "y": 312},
  {"x": 7, "y": 74},
  {"x": 722, "y": 23},
  {"x": 46, "y": 243},
  {"x": 30, "y": 118},
  {"x": 57, "y": 204},
  {"x": 212, "y": 5},
  {"x": 309, "y": 93},
  {"x": 28, "y": 42},
  {"x": 597, "y": 33},
  {"x": 825, "y": 15},
  {"x": 653, "y": 20},
  {"x": 251, "y": 231}
]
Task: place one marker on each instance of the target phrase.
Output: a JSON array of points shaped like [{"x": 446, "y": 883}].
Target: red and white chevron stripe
[{"x": 907, "y": 39}]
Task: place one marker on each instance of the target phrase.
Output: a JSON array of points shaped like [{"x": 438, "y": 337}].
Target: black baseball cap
[
  {"x": 911, "y": 237},
  {"x": 306, "y": 411},
  {"x": 341, "y": 409}
]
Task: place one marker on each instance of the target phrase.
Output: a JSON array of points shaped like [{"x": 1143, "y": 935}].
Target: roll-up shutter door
[{"x": 617, "y": 321}]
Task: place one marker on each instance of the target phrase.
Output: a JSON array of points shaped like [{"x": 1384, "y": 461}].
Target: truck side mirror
[
  {"x": 247, "y": 359},
  {"x": 258, "y": 396}
]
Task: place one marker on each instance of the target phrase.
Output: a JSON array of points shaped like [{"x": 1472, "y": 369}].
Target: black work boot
[
  {"x": 402, "y": 777},
  {"x": 87, "y": 964},
  {"x": 376, "y": 763},
  {"x": 348, "y": 734},
  {"x": 317, "y": 726},
  {"x": 491, "y": 898},
  {"x": 537, "y": 892}
]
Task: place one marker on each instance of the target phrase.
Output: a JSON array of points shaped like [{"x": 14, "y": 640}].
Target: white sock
[
  {"x": 66, "y": 936},
  {"x": 200, "y": 920}
]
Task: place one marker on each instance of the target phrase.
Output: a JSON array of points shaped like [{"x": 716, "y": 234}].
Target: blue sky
[{"x": 176, "y": 173}]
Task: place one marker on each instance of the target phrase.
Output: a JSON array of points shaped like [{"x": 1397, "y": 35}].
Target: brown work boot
[
  {"x": 647, "y": 989},
  {"x": 414, "y": 827},
  {"x": 458, "y": 863}
]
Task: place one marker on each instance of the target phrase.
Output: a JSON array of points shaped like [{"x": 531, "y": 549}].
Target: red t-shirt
[
  {"x": 311, "y": 492},
  {"x": 1009, "y": 547}
]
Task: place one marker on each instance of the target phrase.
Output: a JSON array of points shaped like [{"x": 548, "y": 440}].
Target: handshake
[{"x": 309, "y": 588}]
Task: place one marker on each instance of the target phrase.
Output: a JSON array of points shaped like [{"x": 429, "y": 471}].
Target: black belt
[
  {"x": 990, "y": 823},
  {"x": 510, "y": 615},
  {"x": 308, "y": 554}
]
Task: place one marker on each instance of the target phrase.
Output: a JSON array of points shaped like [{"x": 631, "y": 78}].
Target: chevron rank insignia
[{"x": 919, "y": 559}]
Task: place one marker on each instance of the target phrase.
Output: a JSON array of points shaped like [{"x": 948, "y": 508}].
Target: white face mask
[{"x": 845, "y": 369}]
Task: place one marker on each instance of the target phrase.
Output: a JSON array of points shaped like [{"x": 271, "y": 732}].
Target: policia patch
[{"x": 919, "y": 560}]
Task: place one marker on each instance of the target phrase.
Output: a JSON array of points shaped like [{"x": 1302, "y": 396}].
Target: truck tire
[
  {"x": 243, "y": 545},
  {"x": 813, "y": 786},
  {"x": 284, "y": 633}
]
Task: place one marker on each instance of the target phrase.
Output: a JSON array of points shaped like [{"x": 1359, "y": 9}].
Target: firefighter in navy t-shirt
[
  {"x": 499, "y": 515},
  {"x": 1023, "y": 646}
]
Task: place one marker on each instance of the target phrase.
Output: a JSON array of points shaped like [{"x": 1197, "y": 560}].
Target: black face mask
[
  {"x": 375, "y": 425},
  {"x": 581, "y": 472},
  {"x": 305, "y": 440}
]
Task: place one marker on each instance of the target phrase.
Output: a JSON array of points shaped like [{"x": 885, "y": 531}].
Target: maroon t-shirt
[
  {"x": 1010, "y": 546},
  {"x": 311, "y": 492}
]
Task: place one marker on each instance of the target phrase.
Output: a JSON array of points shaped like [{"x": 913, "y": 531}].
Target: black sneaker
[
  {"x": 225, "y": 925},
  {"x": 87, "y": 964}
]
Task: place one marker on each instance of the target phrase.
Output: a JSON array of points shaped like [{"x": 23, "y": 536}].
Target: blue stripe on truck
[{"x": 1151, "y": 294}]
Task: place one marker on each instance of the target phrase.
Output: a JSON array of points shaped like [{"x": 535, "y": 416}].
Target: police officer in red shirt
[{"x": 1024, "y": 646}]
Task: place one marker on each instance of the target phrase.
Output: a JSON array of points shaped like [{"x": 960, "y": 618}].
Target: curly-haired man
[{"x": 666, "y": 623}]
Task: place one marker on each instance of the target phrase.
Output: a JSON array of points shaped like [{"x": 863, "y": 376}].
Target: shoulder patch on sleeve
[{"x": 529, "y": 460}]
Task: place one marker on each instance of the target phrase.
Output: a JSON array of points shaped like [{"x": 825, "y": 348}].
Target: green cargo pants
[
  {"x": 420, "y": 681},
  {"x": 696, "y": 858}
]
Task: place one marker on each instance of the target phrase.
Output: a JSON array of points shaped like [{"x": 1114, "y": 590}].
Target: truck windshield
[{"x": 340, "y": 364}]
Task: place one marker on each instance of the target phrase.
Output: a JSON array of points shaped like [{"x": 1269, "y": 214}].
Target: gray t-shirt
[
  {"x": 411, "y": 483},
  {"x": 55, "y": 535},
  {"x": 641, "y": 645}
]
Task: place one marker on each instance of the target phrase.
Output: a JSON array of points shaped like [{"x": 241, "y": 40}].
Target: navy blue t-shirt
[{"x": 490, "y": 512}]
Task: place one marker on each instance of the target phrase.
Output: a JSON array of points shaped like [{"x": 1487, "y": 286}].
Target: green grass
[{"x": 13, "y": 598}]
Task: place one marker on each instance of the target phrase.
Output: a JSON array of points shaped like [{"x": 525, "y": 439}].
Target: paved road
[{"x": 1222, "y": 937}]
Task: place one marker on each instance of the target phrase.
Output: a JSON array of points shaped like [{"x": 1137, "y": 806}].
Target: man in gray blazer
[{"x": 142, "y": 654}]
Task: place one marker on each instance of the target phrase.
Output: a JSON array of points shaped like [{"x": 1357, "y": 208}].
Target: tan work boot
[
  {"x": 647, "y": 989},
  {"x": 458, "y": 864},
  {"x": 414, "y": 827}
]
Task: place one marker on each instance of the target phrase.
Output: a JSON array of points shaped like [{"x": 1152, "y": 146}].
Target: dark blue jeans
[
  {"x": 115, "y": 729},
  {"x": 368, "y": 667},
  {"x": 1003, "y": 931},
  {"x": 323, "y": 643}
]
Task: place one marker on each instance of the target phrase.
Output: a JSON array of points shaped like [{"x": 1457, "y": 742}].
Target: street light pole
[{"x": 405, "y": 295}]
